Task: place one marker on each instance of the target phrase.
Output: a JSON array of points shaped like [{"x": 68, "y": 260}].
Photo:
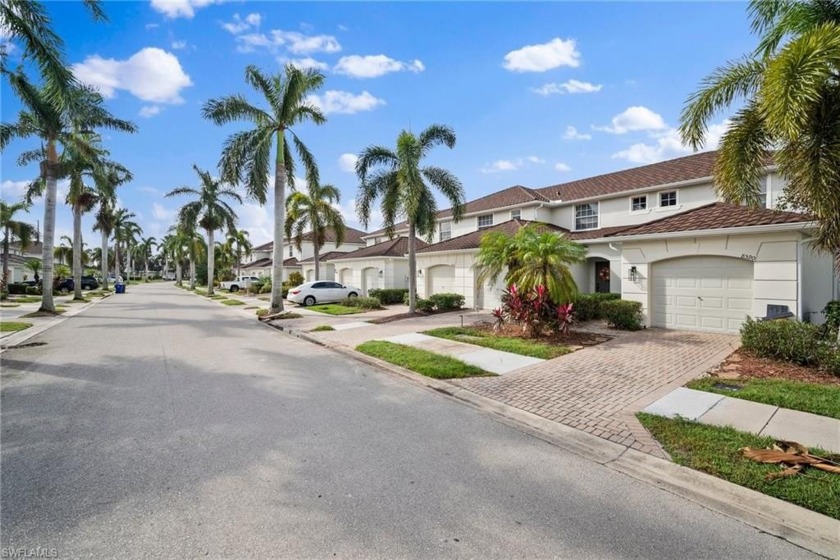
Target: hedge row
[
  {"x": 588, "y": 306},
  {"x": 793, "y": 341},
  {"x": 389, "y": 296}
]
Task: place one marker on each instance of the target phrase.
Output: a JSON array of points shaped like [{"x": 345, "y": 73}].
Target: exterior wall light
[
  {"x": 419, "y": 272},
  {"x": 381, "y": 272},
  {"x": 634, "y": 274}
]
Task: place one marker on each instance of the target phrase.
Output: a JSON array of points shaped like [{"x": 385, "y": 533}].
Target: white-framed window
[
  {"x": 586, "y": 216},
  {"x": 445, "y": 231},
  {"x": 515, "y": 214},
  {"x": 638, "y": 203},
  {"x": 763, "y": 189},
  {"x": 485, "y": 221},
  {"x": 668, "y": 198},
  {"x": 291, "y": 251}
]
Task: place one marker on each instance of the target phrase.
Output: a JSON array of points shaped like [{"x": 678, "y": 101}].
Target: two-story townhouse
[
  {"x": 658, "y": 234},
  {"x": 18, "y": 257},
  {"x": 302, "y": 260}
]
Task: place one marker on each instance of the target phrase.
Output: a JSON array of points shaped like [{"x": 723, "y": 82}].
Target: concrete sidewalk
[{"x": 810, "y": 430}]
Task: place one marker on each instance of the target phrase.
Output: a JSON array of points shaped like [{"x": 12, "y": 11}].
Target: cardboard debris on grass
[{"x": 795, "y": 457}]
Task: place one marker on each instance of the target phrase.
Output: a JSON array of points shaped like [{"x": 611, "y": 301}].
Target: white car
[
  {"x": 321, "y": 292},
  {"x": 239, "y": 283}
]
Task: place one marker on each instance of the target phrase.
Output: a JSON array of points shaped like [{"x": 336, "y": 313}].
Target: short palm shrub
[
  {"x": 390, "y": 296},
  {"x": 447, "y": 301},
  {"x": 362, "y": 302},
  {"x": 534, "y": 311},
  {"x": 623, "y": 314},
  {"x": 791, "y": 341},
  {"x": 588, "y": 306}
]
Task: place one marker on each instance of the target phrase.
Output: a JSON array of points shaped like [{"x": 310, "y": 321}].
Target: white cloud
[
  {"x": 571, "y": 86},
  {"x": 562, "y": 167},
  {"x": 344, "y": 102},
  {"x": 347, "y": 162},
  {"x": 11, "y": 191},
  {"x": 668, "y": 144},
  {"x": 240, "y": 24},
  {"x": 304, "y": 63},
  {"x": 373, "y": 66},
  {"x": 510, "y": 164},
  {"x": 180, "y": 8},
  {"x": 149, "y": 111},
  {"x": 573, "y": 134},
  {"x": 635, "y": 118},
  {"x": 151, "y": 74},
  {"x": 178, "y": 45},
  {"x": 293, "y": 41},
  {"x": 539, "y": 58},
  {"x": 162, "y": 213}
]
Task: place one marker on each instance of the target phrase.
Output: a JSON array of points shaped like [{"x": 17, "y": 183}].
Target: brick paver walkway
[{"x": 598, "y": 389}]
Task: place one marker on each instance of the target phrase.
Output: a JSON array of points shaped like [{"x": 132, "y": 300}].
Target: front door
[{"x": 602, "y": 277}]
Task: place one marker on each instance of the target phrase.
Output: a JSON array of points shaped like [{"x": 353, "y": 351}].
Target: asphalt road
[{"x": 158, "y": 423}]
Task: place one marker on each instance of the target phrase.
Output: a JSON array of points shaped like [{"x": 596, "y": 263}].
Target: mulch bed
[
  {"x": 574, "y": 338},
  {"x": 741, "y": 364},
  {"x": 400, "y": 316}
]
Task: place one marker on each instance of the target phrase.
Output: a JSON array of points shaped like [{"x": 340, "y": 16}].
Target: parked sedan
[
  {"x": 68, "y": 285},
  {"x": 321, "y": 292}
]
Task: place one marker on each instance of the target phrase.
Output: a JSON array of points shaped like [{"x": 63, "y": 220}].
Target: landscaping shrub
[
  {"x": 17, "y": 289},
  {"x": 3, "y": 296},
  {"x": 792, "y": 341},
  {"x": 447, "y": 301},
  {"x": 588, "y": 306},
  {"x": 33, "y": 290},
  {"x": 832, "y": 315},
  {"x": 405, "y": 297},
  {"x": 362, "y": 302},
  {"x": 295, "y": 279},
  {"x": 623, "y": 314},
  {"x": 424, "y": 305},
  {"x": 390, "y": 296},
  {"x": 533, "y": 310}
]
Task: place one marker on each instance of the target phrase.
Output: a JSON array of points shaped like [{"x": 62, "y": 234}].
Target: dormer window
[
  {"x": 515, "y": 214},
  {"x": 445, "y": 231},
  {"x": 667, "y": 199},
  {"x": 485, "y": 221},
  {"x": 291, "y": 251},
  {"x": 586, "y": 216},
  {"x": 638, "y": 203}
]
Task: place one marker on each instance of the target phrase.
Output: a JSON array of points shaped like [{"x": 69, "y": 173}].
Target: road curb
[{"x": 810, "y": 530}]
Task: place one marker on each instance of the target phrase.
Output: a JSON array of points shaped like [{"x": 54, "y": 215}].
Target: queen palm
[
  {"x": 530, "y": 258},
  {"x": 174, "y": 246},
  {"x": 402, "y": 185},
  {"x": 13, "y": 230},
  {"x": 240, "y": 244},
  {"x": 106, "y": 181},
  {"x": 246, "y": 157},
  {"x": 125, "y": 231},
  {"x": 210, "y": 211},
  {"x": 195, "y": 248},
  {"x": 64, "y": 251},
  {"x": 314, "y": 210},
  {"x": 145, "y": 249},
  {"x": 56, "y": 127},
  {"x": 791, "y": 108}
]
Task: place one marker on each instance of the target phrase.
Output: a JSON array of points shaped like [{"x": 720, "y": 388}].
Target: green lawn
[
  {"x": 335, "y": 309},
  {"x": 25, "y": 299},
  {"x": 217, "y": 296},
  {"x": 232, "y": 302},
  {"x": 9, "y": 305},
  {"x": 533, "y": 348},
  {"x": 321, "y": 328},
  {"x": 421, "y": 361},
  {"x": 714, "y": 450},
  {"x": 12, "y": 326},
  {"x": 807, "y": 397}
]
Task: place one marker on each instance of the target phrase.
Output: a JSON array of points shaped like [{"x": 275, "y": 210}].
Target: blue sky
[{"x": 538, "y": 93}]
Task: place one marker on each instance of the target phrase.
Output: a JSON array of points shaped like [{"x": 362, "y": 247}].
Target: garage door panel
[
  {"x": 441, "y": 279},
  {"x": 702, "y": 293}
]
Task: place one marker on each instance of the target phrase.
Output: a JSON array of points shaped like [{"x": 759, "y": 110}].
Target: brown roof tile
[
  {"x": 259, "y": 263},
  {"x": 718, "y": 215},
  {"x": 394, "y": 248},
  {"x": 595, "y": 233},
  {"x": 324, "y": 257},
  {"x": 472, "y": 240},
  {"x": 351, "y": 235},
  {"x": 696, "y": 166}
]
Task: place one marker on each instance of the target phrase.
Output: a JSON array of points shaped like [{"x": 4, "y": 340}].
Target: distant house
[{"x": 18, "y": 256}]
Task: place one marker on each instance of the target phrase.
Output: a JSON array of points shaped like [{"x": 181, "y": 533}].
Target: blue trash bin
[{"x": 120, "y": 288}]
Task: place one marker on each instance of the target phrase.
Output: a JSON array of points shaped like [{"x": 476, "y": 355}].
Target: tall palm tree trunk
[
  {"x": 192, "y": 273},
  {"x": 6, "y": 234},
  {"x": 317, "y": 257},
  {"x": 117, "y": 259},
  {"x": 77, "y": 252},
  {"x": 238, "y": 261},
  {"x": 279, "y": 229},
  {"x": 146, "y": 267},
  {"x": 103, "y": 264},
  {"x": 179, "y": 280},
  {"x": 128, "y": 254},
  {"x": 47, "y": 257},
  {"x": 412, "y": 269},
  {"x": 211, "y": 264}
]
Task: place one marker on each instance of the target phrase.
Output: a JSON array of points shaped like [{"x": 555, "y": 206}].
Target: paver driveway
[{"x": 598, "y": 389}]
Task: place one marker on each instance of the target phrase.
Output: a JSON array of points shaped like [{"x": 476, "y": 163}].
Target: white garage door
[
  {"x": 441, "y": 280},
  {"x": 702, "y": 293},
  {"x": 345, "y": 276},
  {"x": 370, "y": 277}
]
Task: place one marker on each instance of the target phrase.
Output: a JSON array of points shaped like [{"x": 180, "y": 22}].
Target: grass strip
[
  {"x": 12, "y": 326},
  {"x": 795, "y": 395},
  {"x": 714, "y": 450},
  {"x": 521, "y": 346},
  {"x": 322, "y": 328},
  {"x": 336, "y": 309},
  {"x": 232, "y": 302},
  {"x": 423, "y": 362}
]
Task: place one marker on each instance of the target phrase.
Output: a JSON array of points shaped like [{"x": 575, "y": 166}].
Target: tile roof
[
  {"x": 510, "y": 196},
  {"x": 325, "y": 257},
  {"x": 473, "y": 239},
  {"x": 696, "y": 166},
  {"x": 351, "y": 235},
  {"x": 595, "y": 233},
  {"x": 264, "y": 247},
  {"x": 291, "y": 261},
  {"x": 259, "y": 263},
  {"x": 394, "y": 248},
  {"x": 718, "y": 215}
]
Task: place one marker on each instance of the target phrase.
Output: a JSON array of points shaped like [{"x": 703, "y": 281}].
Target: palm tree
[
  {"x": 402, "y": 186},
  {"x": 175, "y": 246},
  {"x": 55, "y": 126},
  {"x": 13, "y": 230},
  {"x": 532, "y": 257},
  {"x": 791, "y": 109},
  {"x": 106, "y": 180},
  {"x": 210, "y": 211},
  {"x": 125, "y": 231},
  {"x": 64, "y": 253},
  {"x": 196, "y": 248},
  {"x": 314, "y": 210},
  {"x": 33, "y": 265},
  {"x": 239, "y": 240},
  {"x": 246, "y": 157},
  {"x": 145, "y": 248}
]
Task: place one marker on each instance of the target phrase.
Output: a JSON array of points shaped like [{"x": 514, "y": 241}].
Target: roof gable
[{"x": 472, "y": 240}]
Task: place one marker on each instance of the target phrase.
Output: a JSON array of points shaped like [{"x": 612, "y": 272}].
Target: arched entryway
[{"x": 440, "y": 279}]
